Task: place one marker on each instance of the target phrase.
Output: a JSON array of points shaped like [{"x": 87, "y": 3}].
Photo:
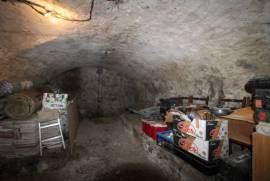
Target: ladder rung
[
  {"x": 50, "y": 125},
  {"x": 52, "y": 141},
  {"x": 49, "y": 139},
  {"x": 53, "y": 144}
]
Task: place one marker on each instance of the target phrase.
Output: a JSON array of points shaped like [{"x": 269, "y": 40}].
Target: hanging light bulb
[
  {"x": 53, "y": 20},
  {"x": 51, "y": 14}
]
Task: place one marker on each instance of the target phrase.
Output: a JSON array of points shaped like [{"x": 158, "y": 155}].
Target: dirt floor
[{"x": 106, "y": 149}]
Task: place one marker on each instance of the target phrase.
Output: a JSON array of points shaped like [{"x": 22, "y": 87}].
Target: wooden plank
[
  {"x": 73, "y": 122},
  {"x": 261, "y": 157},
  {"x": 241, "y": 131}
]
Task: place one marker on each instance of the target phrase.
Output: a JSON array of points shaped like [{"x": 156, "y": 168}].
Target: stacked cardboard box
[
  {"x": 151, "y": 128},
  {"x": 206, "y": 139}
]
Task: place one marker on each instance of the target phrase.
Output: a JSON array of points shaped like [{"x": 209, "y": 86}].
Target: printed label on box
[
  {"x": 54, "y": 101},
  {"x": 207, "y": 130},
  {"x": 206, "y": 150}
]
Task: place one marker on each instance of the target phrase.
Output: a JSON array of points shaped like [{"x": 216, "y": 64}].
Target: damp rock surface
[{"x": 169, "y": 48}]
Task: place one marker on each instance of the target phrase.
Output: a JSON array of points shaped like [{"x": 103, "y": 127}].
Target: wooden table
[{"x": 241, "y": 126}]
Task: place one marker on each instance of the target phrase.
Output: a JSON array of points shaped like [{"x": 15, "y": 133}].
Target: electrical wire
[{"x": 42, "y": 10}]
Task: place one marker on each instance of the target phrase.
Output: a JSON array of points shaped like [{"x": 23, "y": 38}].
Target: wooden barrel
[{"x": 22, "y": 105}]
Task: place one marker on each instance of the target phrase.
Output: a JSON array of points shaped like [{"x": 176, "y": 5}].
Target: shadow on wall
[
  {"x": 105, "y": 83},
  {"x": 100, "y": 92},
  {"x": 59, "y": 55},
  {"x": 114, "y": 77}
]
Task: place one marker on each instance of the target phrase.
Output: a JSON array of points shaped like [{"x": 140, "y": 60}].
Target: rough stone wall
[
  {"x": 100, "y": 92},
  {"x": 168, "y": 47}
]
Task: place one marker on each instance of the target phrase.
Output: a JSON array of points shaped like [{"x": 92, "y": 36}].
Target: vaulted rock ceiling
[{"x": 166, "y": 47}]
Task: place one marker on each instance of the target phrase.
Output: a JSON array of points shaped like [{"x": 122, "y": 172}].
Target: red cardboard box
[
  {"x": 206, "y": 150},
  {"x": 151, "y": 128},
  {"x": 157, "y": 127}
]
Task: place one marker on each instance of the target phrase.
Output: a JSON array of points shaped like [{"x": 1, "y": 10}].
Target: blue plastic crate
[{"x": 165, "y": 136}]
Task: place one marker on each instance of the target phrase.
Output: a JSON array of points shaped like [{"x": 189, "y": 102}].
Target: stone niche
[{"x": 100, "y": 92}]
